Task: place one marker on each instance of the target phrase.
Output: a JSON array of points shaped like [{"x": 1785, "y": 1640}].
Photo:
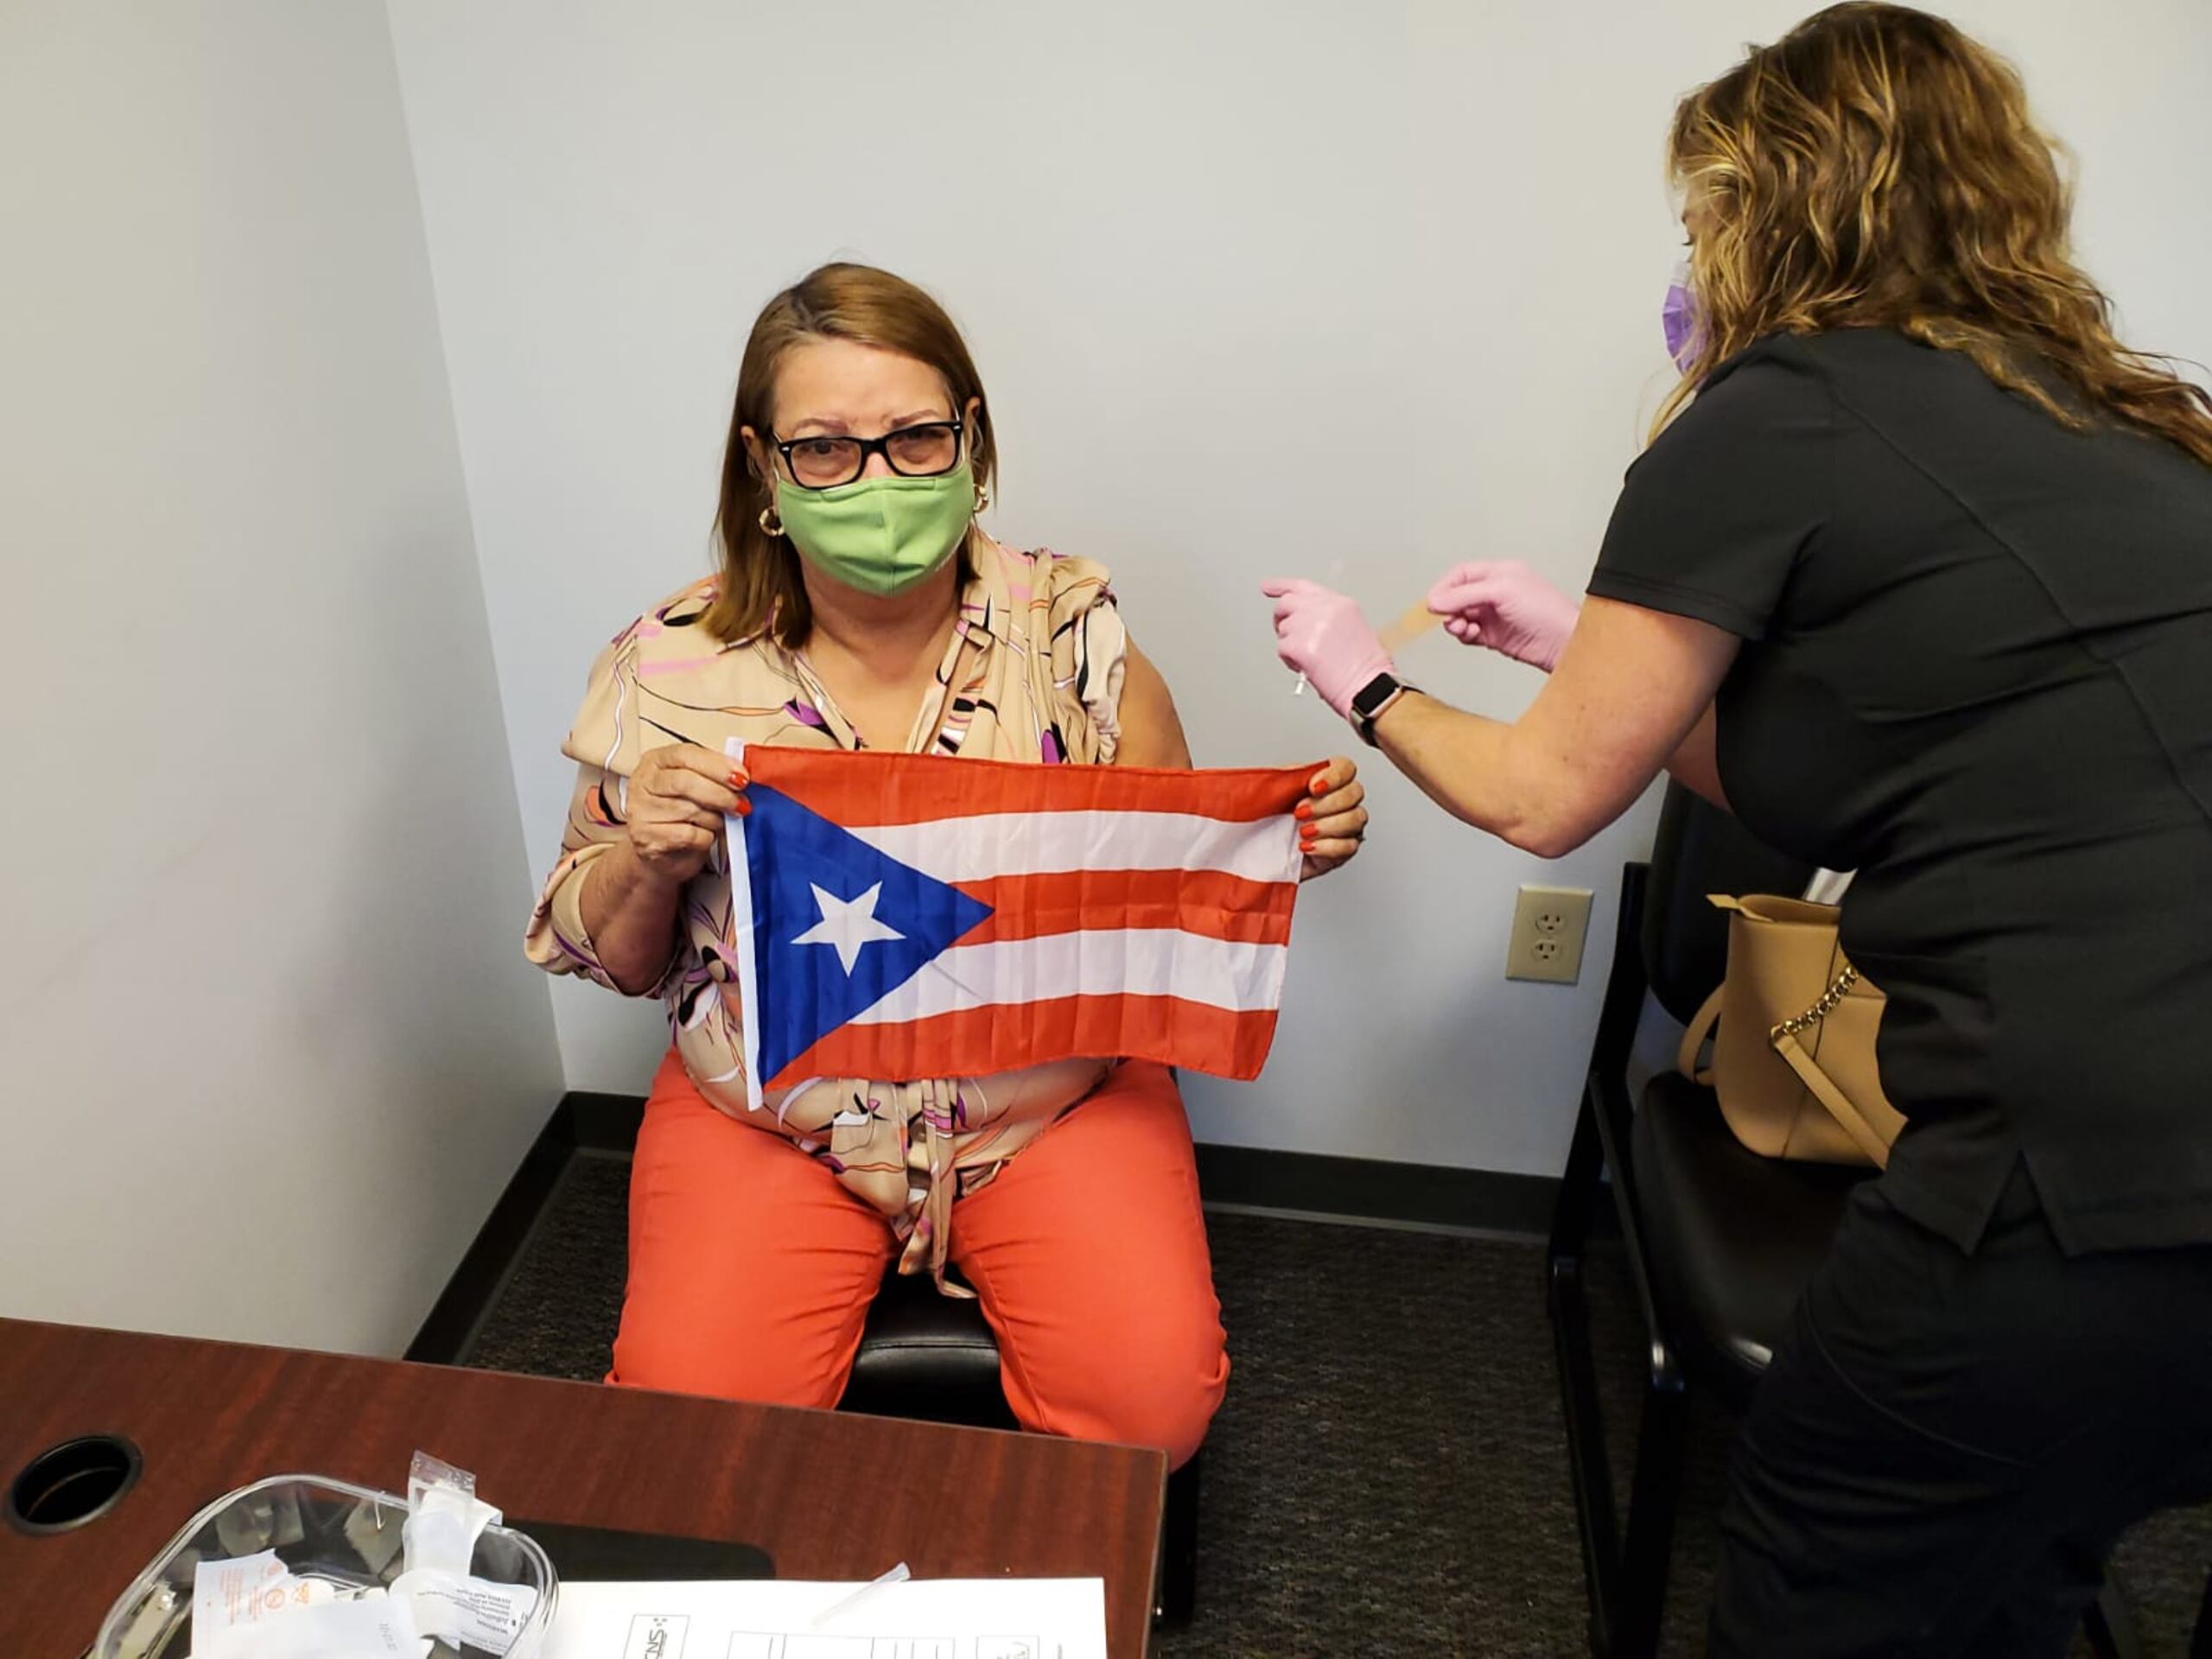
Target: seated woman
[{"x": 859, "y": 604}]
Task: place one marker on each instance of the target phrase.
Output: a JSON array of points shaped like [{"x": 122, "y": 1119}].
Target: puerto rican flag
[{"x": 908, "y": 916}]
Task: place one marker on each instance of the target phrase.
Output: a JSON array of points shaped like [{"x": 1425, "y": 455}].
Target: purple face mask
[{"x": 1678, "y": 316}]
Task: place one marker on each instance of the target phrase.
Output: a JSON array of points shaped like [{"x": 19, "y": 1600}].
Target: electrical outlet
[{"x": 1549, "y": 924}]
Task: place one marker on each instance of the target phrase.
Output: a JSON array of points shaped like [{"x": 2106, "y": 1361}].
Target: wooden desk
[{"x": 828, "y": 1495}]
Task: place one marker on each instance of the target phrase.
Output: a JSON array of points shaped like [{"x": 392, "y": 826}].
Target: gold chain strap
[{"x": 1819, "y": 1010}]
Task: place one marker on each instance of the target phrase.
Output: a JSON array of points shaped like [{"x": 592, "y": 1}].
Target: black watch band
[{"x": 1370, "y": 699}]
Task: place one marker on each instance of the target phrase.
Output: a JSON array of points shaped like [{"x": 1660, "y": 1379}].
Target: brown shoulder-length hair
[
  {"x": 761, "y": 584},
  {"x": 1877, "y": 169}
]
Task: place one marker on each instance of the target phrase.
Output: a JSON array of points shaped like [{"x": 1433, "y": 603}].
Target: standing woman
[{"x": 1917, "y": 578}]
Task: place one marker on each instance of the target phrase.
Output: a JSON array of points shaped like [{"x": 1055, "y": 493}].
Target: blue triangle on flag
[{"x": 837, "y": 924}]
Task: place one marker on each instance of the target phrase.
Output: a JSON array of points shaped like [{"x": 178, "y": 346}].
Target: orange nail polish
[
  {"x": 738, "y": 779},
  {"x": 1305, "y": 810}
]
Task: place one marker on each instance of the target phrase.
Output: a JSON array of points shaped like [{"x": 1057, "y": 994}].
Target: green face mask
[{"x": 879, "y": 535}]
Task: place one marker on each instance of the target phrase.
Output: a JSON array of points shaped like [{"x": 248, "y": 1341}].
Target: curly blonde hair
[{"x": 1877, "y": 168}]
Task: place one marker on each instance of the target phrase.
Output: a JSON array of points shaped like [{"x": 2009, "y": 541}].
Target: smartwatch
[{"x": 1371, "y": 699}]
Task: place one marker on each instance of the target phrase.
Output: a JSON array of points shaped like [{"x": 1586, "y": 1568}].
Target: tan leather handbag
[{"x": 1793, "y": 1058}]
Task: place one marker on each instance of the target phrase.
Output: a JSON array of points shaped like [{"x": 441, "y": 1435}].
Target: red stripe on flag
[
  {"x": 977, "y": 1042},
  {"x": 874, "y": 787},
  {"x": 1210, "y": 903}
]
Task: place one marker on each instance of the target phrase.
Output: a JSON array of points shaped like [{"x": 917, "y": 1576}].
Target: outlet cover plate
[{"x": 1550, "y": 927}]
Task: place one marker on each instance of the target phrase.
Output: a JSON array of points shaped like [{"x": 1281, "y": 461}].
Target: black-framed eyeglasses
[{"x": 929, "y": 449}]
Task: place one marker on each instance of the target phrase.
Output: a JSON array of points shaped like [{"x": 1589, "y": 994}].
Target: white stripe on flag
[
  {"x": 1105, "y": 962},
  {"x": 741, "y": 941},
  {"x": 985, "y": 844}
]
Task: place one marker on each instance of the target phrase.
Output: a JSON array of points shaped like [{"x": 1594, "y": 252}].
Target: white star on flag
[{"x": 848, "y": 924}]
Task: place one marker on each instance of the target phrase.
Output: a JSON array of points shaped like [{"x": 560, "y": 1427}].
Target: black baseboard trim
[
  {"x": 1252, "y": 1177},
  {"x": 603, "y": 1122},
  {"x": 1374, "y": 1189},
  {"x": 1361, "y": 1189}
]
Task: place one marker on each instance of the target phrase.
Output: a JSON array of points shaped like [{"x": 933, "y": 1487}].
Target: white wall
[
  {"x": 1206, "y": 254},
  {"x": 268, "y": 1047}
]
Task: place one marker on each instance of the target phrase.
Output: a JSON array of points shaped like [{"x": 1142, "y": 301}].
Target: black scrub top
[{"x": 1977, "y": 668}]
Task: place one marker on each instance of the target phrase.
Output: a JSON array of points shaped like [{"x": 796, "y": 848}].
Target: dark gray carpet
[{"x": 1389, "y": 1475}]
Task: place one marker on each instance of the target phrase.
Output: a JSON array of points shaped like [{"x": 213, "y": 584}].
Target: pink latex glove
[
  {"x": 1323, "y": 637},
  {"x": 1504, "y": 605}
]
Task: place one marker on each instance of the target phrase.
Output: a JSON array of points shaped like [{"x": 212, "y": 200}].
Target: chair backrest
[{"x": 1701, "y": 849}]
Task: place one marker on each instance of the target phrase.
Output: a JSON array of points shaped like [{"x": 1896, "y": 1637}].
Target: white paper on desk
[{"x": 770, "y": 1619}]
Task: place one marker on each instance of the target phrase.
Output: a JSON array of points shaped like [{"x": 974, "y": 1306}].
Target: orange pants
[{"x": 751, "y": 1266}]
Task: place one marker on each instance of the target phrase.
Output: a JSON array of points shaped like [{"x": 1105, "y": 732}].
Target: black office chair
[
  {"x": 927, "y": 1356},
  {"x": 1718, "y": 1240}
]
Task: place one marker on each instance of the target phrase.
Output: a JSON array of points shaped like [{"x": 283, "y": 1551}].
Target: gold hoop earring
[
  {"x": 982, "y": 498},
  {"x": 767, "y": 529}
]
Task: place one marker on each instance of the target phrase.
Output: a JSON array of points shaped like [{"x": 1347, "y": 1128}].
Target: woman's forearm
[
  {"x": 1632, "y": 691},
  {"x": 631, "y": 917},
  {"x": 1476, "y": 769}
]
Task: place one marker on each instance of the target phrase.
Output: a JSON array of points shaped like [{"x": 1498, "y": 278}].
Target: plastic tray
[{"x": 318, "y": 1528}]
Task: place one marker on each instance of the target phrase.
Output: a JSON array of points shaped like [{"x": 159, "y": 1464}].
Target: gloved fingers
[
  {"x": 1460, "y": 575},
  {"x": 1471, "y": 584}
]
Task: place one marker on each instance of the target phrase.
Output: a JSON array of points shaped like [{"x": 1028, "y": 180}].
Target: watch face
[{"x": 1370, "y": 696}]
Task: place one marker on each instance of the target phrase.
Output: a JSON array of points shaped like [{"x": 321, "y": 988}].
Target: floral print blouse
[{"x": 1034, "y": 673}]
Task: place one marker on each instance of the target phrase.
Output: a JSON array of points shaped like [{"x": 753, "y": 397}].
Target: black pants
[{"x": 1947, "y": 1446}]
